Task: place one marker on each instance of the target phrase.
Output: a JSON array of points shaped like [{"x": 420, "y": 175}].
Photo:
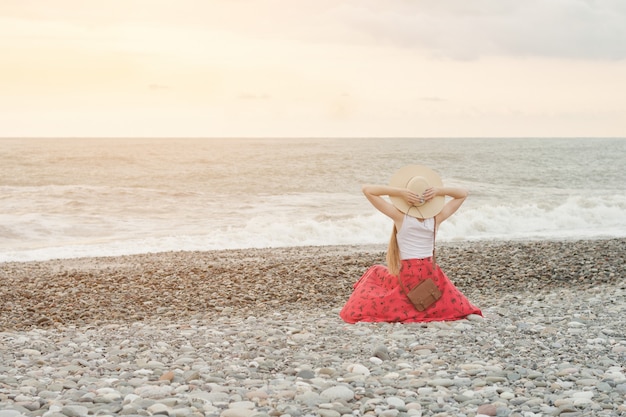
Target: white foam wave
[{"x": 576, "y": 217}]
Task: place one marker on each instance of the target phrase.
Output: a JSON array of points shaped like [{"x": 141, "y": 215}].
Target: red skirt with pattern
[{"x": 377, "y": 296}]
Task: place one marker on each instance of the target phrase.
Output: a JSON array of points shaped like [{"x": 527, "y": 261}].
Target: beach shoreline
[{"x": 256, "y": 333}]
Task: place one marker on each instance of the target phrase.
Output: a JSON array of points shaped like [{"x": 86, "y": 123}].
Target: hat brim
[{"x": 402, "y": 179}]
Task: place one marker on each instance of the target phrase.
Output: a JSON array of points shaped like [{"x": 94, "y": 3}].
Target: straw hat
[{"x": 417, "y": 178}]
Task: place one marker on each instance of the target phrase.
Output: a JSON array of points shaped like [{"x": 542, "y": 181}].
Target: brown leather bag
[{"x": 425, "y": 294}]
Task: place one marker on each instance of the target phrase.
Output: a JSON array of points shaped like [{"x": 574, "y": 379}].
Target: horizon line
[{"x": 312, "y": 137}]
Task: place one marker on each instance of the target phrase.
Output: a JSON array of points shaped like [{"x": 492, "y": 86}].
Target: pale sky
[{"x": 313, "y": 68}]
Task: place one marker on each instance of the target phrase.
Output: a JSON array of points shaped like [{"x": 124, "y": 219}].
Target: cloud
[
  {"x": 433, "y": 99},
  {"x": 252, "y": 96},
  {"x": 457, "y": 29},
  {"x": 577, "y": 29}
]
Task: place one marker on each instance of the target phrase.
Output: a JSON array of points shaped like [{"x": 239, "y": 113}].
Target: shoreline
[
  {"x": 181, "y": 285},
  {"x": 332, "y": 247}
]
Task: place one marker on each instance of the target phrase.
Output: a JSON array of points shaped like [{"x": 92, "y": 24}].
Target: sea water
[{"x": 67, "y": 198}]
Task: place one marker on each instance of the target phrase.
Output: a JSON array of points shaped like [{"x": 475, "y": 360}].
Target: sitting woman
[{"x": 418, "y": 206}]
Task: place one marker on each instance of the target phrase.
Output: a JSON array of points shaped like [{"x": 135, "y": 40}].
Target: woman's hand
[
  {"x": 430, "y": 193},
  {"x": 416, "y": 199}
]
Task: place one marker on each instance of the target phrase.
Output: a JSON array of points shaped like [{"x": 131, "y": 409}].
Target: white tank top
[{"x": 415, "y": 238}]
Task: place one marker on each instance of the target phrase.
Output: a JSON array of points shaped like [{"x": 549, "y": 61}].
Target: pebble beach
[{"x": 256, "y": 332}]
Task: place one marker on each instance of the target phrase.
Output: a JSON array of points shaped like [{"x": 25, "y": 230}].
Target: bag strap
[
  {"x": 433, "y": 257},
  {"x": 434, "y": 234},
  {"x": 402, "y": 286}
]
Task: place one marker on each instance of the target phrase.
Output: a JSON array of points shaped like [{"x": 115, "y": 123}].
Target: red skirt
[{"x": 377, "y": 296}]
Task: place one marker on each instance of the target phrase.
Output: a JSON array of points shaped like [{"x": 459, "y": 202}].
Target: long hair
[{"x": 393, "y": 254}]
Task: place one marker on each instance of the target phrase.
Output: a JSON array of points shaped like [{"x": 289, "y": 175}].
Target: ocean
[{"x": 69, "y": 198}]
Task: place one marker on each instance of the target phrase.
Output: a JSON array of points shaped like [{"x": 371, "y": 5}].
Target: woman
[{"x": 418, "y": 206}]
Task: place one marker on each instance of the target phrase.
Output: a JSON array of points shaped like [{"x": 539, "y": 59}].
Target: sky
[{"x": 313, "y": 68}]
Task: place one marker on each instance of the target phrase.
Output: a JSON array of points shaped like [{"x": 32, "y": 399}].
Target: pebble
[{"x": 536, "y": 352}]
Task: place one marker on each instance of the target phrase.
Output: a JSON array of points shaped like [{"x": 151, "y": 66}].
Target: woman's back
[{"x": 415, "y": 238}]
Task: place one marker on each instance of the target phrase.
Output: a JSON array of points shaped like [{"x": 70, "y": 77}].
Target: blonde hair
[{"x": 393, "y": 254}]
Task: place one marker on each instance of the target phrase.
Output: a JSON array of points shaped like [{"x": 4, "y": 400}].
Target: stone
[
  {"x": 306, "y": 374},
  {"x": 310, "y": 398},
  {"x": 11, "y": 413},
  {"x": 487, "y": 410},
  {"x": 358, "y": 369},
  {"x": 159, "y": 409},
  {"x": 339, "y": 392},
  {"x": 167, "y": 376},
  {"x": 75, "y": 411},
  {"x": 396, "y": 402},
  {"x": 381, "y": 352},
  {"x": 238, "y": 412}
]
